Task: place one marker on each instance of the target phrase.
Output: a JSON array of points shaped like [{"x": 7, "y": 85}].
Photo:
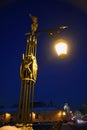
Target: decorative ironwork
[
  {"x": 28, "y": 75},
  {"x": 28, "y": 72}
]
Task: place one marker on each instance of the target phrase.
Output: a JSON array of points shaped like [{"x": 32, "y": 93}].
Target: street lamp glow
[
  {"x": 7, "y": 117},
  {"x": 61, "y": 48}
]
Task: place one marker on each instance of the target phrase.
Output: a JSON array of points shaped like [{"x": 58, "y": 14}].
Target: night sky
[{"x": 58, "y": 80}]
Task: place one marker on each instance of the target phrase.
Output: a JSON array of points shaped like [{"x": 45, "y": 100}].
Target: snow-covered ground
[
  {"x": 9, "y": 128},
  {"x": 15, "y": 128}
]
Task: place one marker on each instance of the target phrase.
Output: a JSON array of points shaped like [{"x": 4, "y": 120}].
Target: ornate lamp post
[{"x": 28, "y": 73}]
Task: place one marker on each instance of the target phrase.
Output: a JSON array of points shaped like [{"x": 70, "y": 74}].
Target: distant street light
[
  {"x": 7, "y": 117},
  {"x": 28, "y": 71}
]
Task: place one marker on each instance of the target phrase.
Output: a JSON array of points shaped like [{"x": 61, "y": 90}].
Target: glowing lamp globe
[{"x": 61, "y": 48}]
